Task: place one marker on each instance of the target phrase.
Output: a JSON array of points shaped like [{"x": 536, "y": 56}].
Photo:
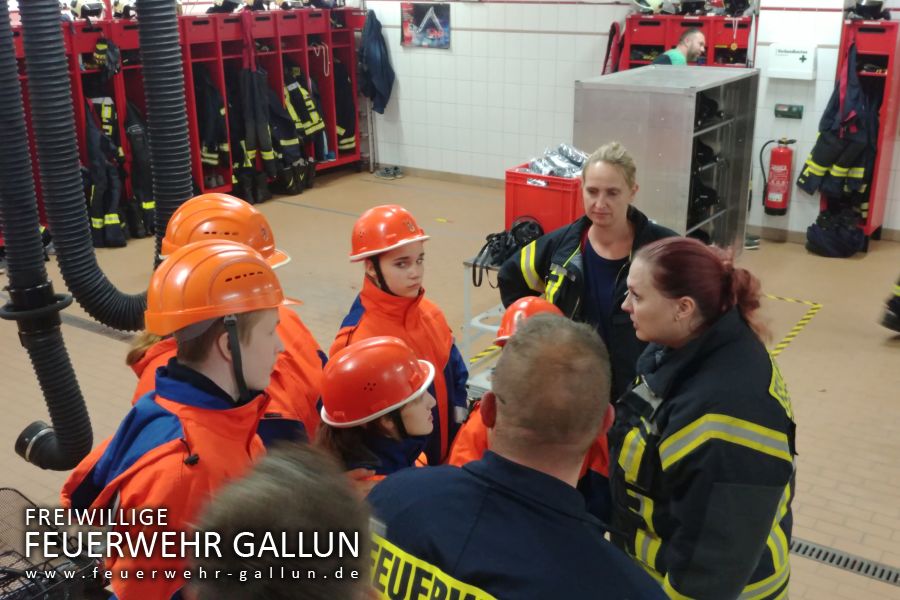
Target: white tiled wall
[{"x": 502, "y": 92}]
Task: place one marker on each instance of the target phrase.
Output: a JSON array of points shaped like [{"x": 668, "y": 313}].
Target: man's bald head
[{"x": 552, "y": 386}]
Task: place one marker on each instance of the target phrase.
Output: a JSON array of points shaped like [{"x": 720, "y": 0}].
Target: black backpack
[{"x": 500, "y": 246}]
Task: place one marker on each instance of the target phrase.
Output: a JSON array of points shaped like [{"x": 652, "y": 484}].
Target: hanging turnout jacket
[
  {"x": 214, "y": 146},
  {"x": 292, "y": 413},
  {"x": 105, "y": 189},
  {"x": 552, "y": 267},
  {"x": 376, "y": 76},
  {"x": 141, "y": 180},
  {"x": 345, "y": 106},
  {"x": 421, "y": 324},
  {"x": 173, "y": 450},
  {"x": 842, "y": 158},
  {"x": 702, "y": 467},
  {"x": 299, "y": 102}
]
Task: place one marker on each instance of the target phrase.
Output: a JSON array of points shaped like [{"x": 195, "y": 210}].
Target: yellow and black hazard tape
[
  {"x": 492, "y": 349},
  {"x": 814, "y": 307}
]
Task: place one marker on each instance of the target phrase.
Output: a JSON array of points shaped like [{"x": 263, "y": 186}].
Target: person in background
[
  {"x": 376, "y": 408},
  {"x": 292, "y": 489},
  {"x": 391, "y": 245},
  {"x": 582, "y": 267},
  {"x": 702, "y": 450},
  {"x": 179, "y": 444},
  {"x": 691, "y": 46},
  {"x": 512, "y": 525},
  {"x": 292, "y": 413}
]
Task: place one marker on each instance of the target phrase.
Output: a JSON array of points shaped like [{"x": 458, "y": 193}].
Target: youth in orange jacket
[
  {"x": 376, "y": 408},
  {"x": 292, "y": 413},
  {"x": 473, "y": 438},
  {"x": 180, "y": 443},
  {"x": 392, "y": 303}
]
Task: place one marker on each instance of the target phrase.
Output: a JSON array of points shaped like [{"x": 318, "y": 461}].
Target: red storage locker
[
  {"x": 289, "y": 23},
  {"x": 198, "y": 29},
  {"x": 124, "y": 34},
  {"x": 553, "y": 205},
  {"x": 315, "y": 21},
  {"x": 647, "y": 30},
  {"x": 262, "y": 26},
  {"x": 229, "y": 27},
  {"x": 875, "y": 37}
]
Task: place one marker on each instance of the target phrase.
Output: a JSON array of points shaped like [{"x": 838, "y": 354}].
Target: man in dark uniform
[{"x": 512, "y": 525}]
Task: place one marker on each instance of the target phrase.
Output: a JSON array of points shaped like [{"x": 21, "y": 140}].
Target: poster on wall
[{"x": 425, "y": 25}]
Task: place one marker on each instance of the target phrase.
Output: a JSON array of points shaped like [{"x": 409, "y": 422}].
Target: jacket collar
[
  {"x": 525, "y": 482},
  {"x": 396, "y": 308},
  {"x": 392, "y": 455},
  {"x": 642, "y": 233},
  {"x": 661, "y": 366},
  {"x": 162, "y": 347}
]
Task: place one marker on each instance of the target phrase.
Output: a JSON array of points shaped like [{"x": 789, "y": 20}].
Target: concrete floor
[{"x": 843, "y": 369}]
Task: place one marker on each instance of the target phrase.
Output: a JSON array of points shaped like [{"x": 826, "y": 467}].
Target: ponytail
[{"x": 140, "y": 343}]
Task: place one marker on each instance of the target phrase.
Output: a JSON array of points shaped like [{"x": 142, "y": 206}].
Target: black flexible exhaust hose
[
  {"x": 57, "y": 148},
  {"x": 33, "y": 303},
  {"x": 170, "y": 153}
]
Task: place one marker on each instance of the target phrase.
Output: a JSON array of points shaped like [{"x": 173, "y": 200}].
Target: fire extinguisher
[{"x": 777, "y": 186}]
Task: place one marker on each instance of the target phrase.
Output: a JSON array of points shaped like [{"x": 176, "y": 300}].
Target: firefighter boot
[
  {"x": 262, "y": 188},
  {"x": 310, "y": 172},
  {"x": 300, "y": 174},
  {"x": 891, "y": 318},
  {"x": 243, "y": 189}
]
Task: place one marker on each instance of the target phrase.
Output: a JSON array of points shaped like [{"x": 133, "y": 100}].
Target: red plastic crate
[
  {"x": 553, "y": 206},
  {"x": 356, "y": 19},
  {"x": 315, "y": 21}
]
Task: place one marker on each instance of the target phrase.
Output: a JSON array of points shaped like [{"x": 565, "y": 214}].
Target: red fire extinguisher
[{"x": 777, "y": 186}]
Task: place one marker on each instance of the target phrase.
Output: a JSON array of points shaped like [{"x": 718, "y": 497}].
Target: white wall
[{"x": 502, "y": 92}]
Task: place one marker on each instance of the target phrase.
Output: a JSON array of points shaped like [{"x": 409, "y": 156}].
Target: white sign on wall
[{"x": 792, "y": 61}]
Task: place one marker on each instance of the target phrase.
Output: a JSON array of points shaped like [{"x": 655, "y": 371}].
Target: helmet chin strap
[
  {"x": 244, "y": 395},
  {"x": 379, "y": 276}
]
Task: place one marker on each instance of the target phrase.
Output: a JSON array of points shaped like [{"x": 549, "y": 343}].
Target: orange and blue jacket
[
  {"x": 593, "y": 482},
  {"x": 422, "y": 325},
  {"x": 292, "y": 413},
  {"x": 173, "y": 450}
]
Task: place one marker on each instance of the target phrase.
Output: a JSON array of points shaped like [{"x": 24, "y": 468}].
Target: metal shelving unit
[{"x": 657, "y": 112}]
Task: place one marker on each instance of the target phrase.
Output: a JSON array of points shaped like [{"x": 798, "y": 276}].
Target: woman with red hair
[{"x": 702, "y": 450}]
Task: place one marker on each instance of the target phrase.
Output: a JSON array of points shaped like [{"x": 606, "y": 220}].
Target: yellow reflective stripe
[
  {"x": 111, "y": 219},
  {"x": 222, "y": 111},
  {"x": 398, "y": 574},
  {"x": 645, "y": 509},
  {"x": 671, "y": 592},
  {"x": 839, "y": 171},
  {"x": 529, "y": 271},
  {"x": 897, "y": 290},
  {"x": 289, "y": 142},
  {"x": 857, "y": 172},
  {"x": 728, "y": 429},
  {"x": 340, "y": 130},
  {"x": 347, "y": 144},
  {"x": 105, "y": 112},
  {"x": 646, "y": 547},
  {"x": 815, "y": 168},
  {"x": 290, "y": 107},
  {"x": 554, "y": 284},
  {"x": 778, "y": 389},
  {"x": 224, "y": 147},
  {"x": 151, "y": 205},
  {"x": 268, "y": 155},
  {"x": 766, "y": 587},
  {"x": 632, "y": 453},
  {"x": 315, "y": 126},
  {"x": 96, "y": 223}
]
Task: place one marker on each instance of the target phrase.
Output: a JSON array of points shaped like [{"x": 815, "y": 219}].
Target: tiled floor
[{"x": 843, "y": 370}]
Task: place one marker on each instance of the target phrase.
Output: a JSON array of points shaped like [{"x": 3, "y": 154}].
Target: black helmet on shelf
[{"x": 869, "y": 9}]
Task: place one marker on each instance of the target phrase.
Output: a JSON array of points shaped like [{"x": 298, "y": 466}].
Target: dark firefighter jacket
[
  {"x": 552, "y": 266},
  {"x": 494, "y": 529},
  {"x": 345, "y": 106},
  {"x": 211, "y": 119},
  {"x": 105, "y": 189},
  {"x": 299, "y": 103},
  {"x": 702, "y": 467},
  {"x": 841, "y": 160},
  {"x": 141, "y": 181}
]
